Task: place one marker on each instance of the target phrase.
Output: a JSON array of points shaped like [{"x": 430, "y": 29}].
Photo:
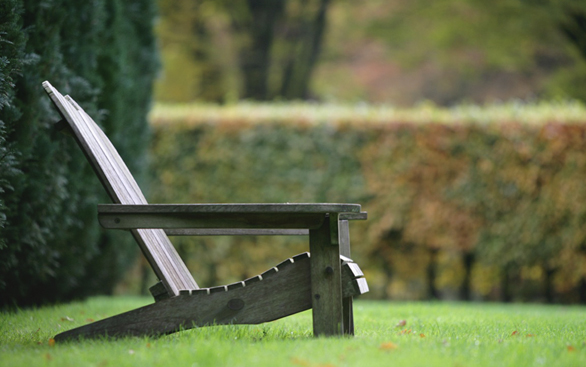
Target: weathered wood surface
[
  {"x": 322, "y": 285},
  {"x": 235, "y": 232},
  {"x": 159, "y": 292},
  {"x": 122, "y": 189},
  {"x": 326, "y": 287},
  {"x": 343, "y": 217},
  {"x": 242, "y": 216},
  {"x": 347, "y": 302},
  {"x": 251, "y": 208},
  {"x": 210, "y": 220},
  {"x": 276, "y": 293},
  {"x": 353, "y": 216}
]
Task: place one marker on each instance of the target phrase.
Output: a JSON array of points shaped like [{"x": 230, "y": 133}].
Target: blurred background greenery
[
  {"x": 380, "y": 51},
  {"x": 458, "y": 124}
]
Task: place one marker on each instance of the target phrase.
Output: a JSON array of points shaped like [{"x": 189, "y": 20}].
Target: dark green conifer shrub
[{"x": 102, "y": 53}]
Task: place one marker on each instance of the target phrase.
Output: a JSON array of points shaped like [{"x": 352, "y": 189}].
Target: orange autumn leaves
[
  {"x": 494, "y": 190},
  {"x": 304, "y": 363},
  {"x": 404, "y": 331},
  {"x": 403, "y": 323},
  {"x": 387, "y": 346},
  {"x": 516, "y": 333},
  {"x": 341, "y": 360}
]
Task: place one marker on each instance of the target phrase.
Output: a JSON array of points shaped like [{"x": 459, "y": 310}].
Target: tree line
[
  {"x": 225, "y": 51},
  {"x": 393, "y": 51},
  {"x": 470, "y": 203}
]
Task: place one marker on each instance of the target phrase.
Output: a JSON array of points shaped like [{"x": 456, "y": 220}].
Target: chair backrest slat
[{"x": 123, "y": 189}]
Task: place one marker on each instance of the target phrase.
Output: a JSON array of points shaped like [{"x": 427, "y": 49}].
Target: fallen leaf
[
  {"x": 530, "y": 335},
  {"x": 48, "y": 357},
  {"x": 66, "y": 318},
  {"x": 299, "y": 362},
  {"x": 515, "y": 333},
  {"x": 388, "y": 346},
  {"x": 148, "y": 345},
  {"x": 405, "y": 331},
  {"x": 422, "y": 335},
  {"x": 51, "y": 342},
  {"x": 401, "y": 323},
  {"x": 571, "y": 348},
  {"x": 89, "y": 320}
]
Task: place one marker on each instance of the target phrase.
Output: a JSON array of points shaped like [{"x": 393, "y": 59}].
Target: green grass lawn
[{"x": 433, "y": 334}]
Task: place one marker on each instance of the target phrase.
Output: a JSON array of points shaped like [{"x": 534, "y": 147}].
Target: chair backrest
[{"x": 123, "y": 189}]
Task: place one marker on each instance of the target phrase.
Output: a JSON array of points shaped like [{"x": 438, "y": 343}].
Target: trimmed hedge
[
  {"x": 461, "y": 202},
  {"x": 103, "y": 53}
]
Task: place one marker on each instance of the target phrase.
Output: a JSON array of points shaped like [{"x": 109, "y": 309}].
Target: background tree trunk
[
  {"x": 468, "y": 260},
  {"x": 574, "y": 28},
  {"x": 509, "y": 275},
  {"x": 255, "y": 60},
  {"x": 548, "y": 286},
  {"x": 432, "y": 291},
  {"x": 306, "y": 49}
]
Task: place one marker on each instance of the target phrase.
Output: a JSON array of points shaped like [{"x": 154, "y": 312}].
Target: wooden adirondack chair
[{"x": 325, "y": 281}]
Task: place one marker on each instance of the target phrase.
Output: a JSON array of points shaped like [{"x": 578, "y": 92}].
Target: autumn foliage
[{"x": 464, "y": 203}]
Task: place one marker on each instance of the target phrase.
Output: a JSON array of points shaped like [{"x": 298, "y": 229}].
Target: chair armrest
[
  {"x": 353, "y": 216},
  {"x": 236, "y": 232},
  {"x": 255, "y": 232},
  {"x": 210, "y": 216}
]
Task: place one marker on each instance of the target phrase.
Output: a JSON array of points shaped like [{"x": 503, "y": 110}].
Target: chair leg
[
  {"x": 347, "y": 301},
  {"x": 326, "y": 286},
  {"x": 348, "y": 316}
]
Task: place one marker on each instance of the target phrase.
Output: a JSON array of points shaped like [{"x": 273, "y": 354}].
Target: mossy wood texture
[{"x": 293, "y": 286}]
